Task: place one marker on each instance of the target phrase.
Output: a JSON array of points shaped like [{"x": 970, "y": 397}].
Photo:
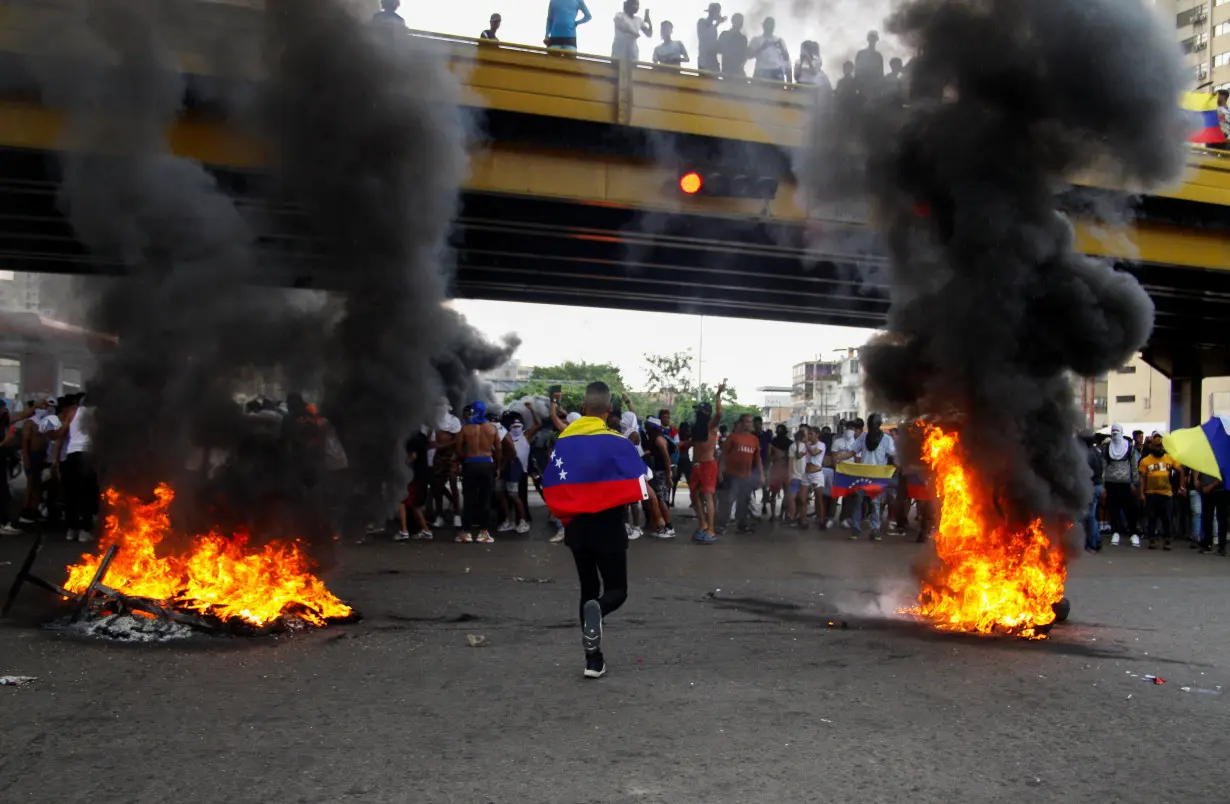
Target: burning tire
[{"x": 1062, "y": 609}]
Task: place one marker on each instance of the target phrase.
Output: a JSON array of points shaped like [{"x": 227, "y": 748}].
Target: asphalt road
[{"x": 742, "y": 695}]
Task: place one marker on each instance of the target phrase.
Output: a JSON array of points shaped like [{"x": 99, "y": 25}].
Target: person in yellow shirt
[{"x": 1157, "y": 470}]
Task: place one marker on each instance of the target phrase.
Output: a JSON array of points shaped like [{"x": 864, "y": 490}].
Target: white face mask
[{"x": 849, "y": 434}]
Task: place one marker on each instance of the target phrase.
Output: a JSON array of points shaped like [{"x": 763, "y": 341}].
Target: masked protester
[
  {"x": 704, "y": 478},
  {"x": 480, "y": 452},
  {"x": 1157, "y": 470},
  {"x": 1121, "y": 472}
]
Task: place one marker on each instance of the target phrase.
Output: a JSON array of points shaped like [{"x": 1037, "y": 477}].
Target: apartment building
[{"x": 1203, "y": 31}]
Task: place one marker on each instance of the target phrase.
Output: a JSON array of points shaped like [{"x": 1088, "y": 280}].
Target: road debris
[
  {"x": 519, "y": 579},
  {"x": 16, "y": 681},
  {"x": 477, "y": 640}
]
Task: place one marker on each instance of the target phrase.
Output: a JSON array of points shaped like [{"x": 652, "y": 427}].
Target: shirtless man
[
  {"x": 480, "y": 452},
  {"x": 703, "y": 482}
]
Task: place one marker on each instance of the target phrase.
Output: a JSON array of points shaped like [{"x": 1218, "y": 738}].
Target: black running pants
[{"x": 604, "y": 577}]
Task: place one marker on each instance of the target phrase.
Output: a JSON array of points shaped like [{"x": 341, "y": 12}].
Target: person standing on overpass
[
  {"x": 628, "y": 29},
  {"x": 491, "y": 34},
  {"x": 562, "y": 24}
]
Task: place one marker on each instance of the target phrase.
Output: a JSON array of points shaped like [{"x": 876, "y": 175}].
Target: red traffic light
[{"x": 691, "y": 183}]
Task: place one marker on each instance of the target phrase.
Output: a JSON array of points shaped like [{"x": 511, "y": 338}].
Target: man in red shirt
[{"x": 743, "y": 469}]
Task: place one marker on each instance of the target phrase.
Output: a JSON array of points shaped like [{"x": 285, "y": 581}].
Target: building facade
[
  {"x": 814, "y": 392},
  {"x": 1202, "y": 28}
]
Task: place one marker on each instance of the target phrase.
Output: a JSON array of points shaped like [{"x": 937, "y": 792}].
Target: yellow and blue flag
[
  {"x": 592, "y": 468},
  {"x": 1202, "y": 110},
  {"x": 851, "y": 477},
  {"x": 1205, "y": 448}
]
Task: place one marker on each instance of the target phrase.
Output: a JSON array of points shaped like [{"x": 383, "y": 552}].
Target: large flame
[
  {"x": 221, "y": 576},
  {"x": 990, "y": 578}
]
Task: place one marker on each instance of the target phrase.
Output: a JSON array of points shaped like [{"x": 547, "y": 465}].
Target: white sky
[{"x": 750, "y": 354}]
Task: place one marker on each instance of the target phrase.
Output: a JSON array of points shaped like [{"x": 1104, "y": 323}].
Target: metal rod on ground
[
  {"x": 23, "y": 575},
  {"x": 95, "y": 583}
]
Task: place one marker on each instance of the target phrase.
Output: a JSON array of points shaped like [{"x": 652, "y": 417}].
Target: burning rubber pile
[
  {"x": 221, "y": 578},
  {"x": 992, "y": 309}
]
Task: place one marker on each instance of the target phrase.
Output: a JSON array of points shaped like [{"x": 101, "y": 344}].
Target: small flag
[
  {"x": 591, "y": 469},
  {"x": 1202, "y": 110},
  {"x": 852, "y": 477}
]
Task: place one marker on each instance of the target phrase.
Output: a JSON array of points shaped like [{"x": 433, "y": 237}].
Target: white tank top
[{"x": 79, "y": 431}]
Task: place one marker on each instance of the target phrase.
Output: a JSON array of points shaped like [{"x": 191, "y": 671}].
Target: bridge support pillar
[
  {"x": 41, "y": 374},
  {"x": 1186, "y": 399}
]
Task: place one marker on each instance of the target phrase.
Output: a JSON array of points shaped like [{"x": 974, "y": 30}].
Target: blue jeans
[
  {"x": 856, "y": 499},
  {"x": 1093, "y": 536},
  {"x": 1196, "y": 506}
]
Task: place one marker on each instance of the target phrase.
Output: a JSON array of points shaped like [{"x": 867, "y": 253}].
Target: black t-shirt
[
  {"x": 417, "y": 444},
  {"x": 601, "y": 531}
]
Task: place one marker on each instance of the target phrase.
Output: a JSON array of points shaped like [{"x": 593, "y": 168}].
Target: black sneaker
[
  {"x": 595, "y": 666},
  {"x": 591, "y": 629}
]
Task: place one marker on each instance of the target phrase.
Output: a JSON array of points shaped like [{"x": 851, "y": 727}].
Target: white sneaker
[
  {"x": 505, "y": 526},
  {"x": 72, "y": 535},
  {"x": 8, "y": 530},
  {"x": 401, "y": 536},
  {"x": 633, "y": 533},
  {"x": 1135, "y": 540},
  {"x": 1114, "y": 540},
  {"x": 557, "y": 538},
  {"x": 829, "y": 524},
  {"x": 637, "y": 533},
  {"x": 456, "y": 521},
  {"x": 439, "y": 523},
  {"x": 463, "y": 538},
  {"x": 484, "y": 538},
  {"x": 523, "y": 527},
  {"x": 666, "y": 533},
  {"x": 423, "y": 536}
]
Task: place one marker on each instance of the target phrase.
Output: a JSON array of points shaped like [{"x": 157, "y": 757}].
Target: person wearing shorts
[
  {"x": 702, "y": 483},
  {"x": 562, "y": 24},
  {"x": 416, "y": 490},
  {"x": 815, "y": 481}
]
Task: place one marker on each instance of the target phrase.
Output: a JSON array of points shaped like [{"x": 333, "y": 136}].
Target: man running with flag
[{"x": 591, "y": 475}]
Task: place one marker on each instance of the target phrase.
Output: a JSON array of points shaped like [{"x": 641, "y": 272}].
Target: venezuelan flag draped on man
[{"x": 593, "y": 468}]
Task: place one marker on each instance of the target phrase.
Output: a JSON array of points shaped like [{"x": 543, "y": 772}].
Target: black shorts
[{"x": 565, "y": 42}]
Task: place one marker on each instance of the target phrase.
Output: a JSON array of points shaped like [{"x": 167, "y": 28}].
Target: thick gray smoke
[
  {"x": 990, "y": 305},
  {"x": 367, "y": 141}
]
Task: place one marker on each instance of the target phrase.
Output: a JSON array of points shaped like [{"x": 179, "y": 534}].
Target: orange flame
[
  {"x": 221, "y": 576},
  {"x": 990, "y": 579}
]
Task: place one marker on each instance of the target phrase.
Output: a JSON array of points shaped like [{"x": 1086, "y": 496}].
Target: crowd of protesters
[
  {"x": 49, "y": 442},
  {"x": 476, "y": 470},
  {"x": 1144, "y": 497}
]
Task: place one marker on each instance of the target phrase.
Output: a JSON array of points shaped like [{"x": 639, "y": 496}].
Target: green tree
[
  {"x": 670, "y": 374},
  {"x": 572, "y": 377},
  {"x": 685, "y": 409}
]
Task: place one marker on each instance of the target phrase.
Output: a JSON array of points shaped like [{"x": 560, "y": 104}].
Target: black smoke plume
[
  {"x": 991, "y": 307},
  {"x": 367, "y": 141}
]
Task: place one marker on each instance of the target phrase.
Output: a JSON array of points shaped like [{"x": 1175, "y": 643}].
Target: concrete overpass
[{"x": 567, "y": 200}]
